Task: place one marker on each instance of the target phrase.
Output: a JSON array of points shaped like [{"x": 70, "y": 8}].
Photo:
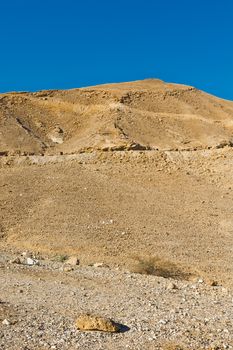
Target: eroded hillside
[{"x": 147, "y": 114}]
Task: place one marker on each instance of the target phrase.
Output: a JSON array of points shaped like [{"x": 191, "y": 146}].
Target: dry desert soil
[{"x": 135, "y": 180}]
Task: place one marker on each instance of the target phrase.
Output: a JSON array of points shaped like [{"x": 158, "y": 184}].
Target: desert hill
[
  {"x": 134, "y": 181},
  {"x": 62, "y": 192},
  {"x": 149, "y": 114}
]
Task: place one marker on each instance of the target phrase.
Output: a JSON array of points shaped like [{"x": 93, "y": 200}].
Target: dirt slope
[
  {"x": 116, "y": 206},
  {"x": 147, "y": 114},
  {"x": 119, "y": 171}
]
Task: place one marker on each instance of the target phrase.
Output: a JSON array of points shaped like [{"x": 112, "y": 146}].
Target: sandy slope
[{"x": 114, "y": 206}]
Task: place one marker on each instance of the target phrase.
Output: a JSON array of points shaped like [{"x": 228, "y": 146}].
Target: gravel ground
[{"x": 42, "y": 303}]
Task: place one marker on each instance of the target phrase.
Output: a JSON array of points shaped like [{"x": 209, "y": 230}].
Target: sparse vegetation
[
  {"x": 159, "y": 267},
  {"x": 60, "y": 258},
  {"x": 172, "y": 346}
]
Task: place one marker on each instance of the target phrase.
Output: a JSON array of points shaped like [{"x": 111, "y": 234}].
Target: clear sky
[{"x": 61, "y": 44}]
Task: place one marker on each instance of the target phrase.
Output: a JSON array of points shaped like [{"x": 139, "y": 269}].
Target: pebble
[
  {"x": 172, "y": 285},
  {"x": 99, "y": 265},
  {"x": 67, "y": 268},
  {"x": 31, "y": 262},
  {"x": 6, "y": 322},
  {"x": 15, "y": 261},
  {"x": 73, "y": 260}
]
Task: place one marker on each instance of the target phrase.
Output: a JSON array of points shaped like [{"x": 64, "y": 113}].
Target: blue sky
[{"x": 57, "y": 44}]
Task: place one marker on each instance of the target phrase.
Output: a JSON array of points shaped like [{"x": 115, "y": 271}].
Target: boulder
[{"x": 87, "y": 322}]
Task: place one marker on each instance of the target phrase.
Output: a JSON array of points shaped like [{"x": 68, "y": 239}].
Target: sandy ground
[{"x": 42, "y": 303}]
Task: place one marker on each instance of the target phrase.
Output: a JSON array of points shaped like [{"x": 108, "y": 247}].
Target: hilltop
[{"x": 149, "y": 114}]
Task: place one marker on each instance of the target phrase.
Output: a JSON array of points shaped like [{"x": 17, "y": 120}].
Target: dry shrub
[
  {"x": 159, "y": 267},
  {"x": 60, "y": 258},
  {"x": 172, "y": 346}
]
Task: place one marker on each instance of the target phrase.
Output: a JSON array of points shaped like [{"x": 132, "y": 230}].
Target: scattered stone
[
  {"x": 172, "y": 286},
  {"x": 200, "y": 280},
  {"x": 73, "y": 260},
  {"x": 67, "y": 268},
  {"x": 26, "y": 255},
  {"x": 89, "y": 322},
  {"x": 15, "y": 261},
  {"x": 99, "y": 265},
  {"x": 6, "y": 322},
  {"x": 214, "y": 283},
  {"x": 163, "y": 322},
  {"x": 31, "y": 262}
]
